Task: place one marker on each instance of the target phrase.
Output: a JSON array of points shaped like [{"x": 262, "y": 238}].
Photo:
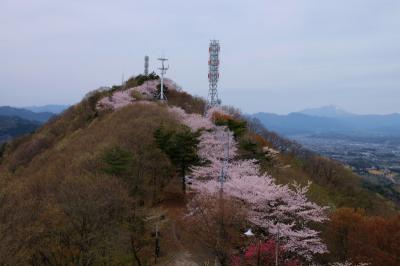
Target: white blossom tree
[
  {"x": 193, "y": 121},
  {"x": 281, "y": 211},
  {"x": 278, "y": 209}
]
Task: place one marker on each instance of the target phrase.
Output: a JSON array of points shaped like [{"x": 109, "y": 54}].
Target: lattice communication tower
[{"x": 213, "y": 74}]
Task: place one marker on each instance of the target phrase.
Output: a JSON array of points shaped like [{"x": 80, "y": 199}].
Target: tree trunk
[
  {"x": 183, "y": 179},
  {"x": 134, "y": 251}
]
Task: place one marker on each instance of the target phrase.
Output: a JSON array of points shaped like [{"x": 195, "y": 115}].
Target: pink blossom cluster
[
  {"x": 279, "y": 209},
  {"x": 193, "y": 121},
  {"x": 117, "y": 100},
  {"x": 147, "y": 89},
  {"x": 122, "y": 98}
]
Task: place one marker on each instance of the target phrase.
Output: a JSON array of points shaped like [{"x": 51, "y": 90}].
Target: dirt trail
[
  {"x": 183, "y": 256},
  {"x": 182, "y": 259}
]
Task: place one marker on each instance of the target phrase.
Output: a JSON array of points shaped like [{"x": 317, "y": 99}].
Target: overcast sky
[{"x": 276, "y": 56}]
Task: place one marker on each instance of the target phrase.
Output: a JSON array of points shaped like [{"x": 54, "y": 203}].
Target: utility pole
[
  {"x": 123, "y": 81},
  {"x": 163, "y": 70}
]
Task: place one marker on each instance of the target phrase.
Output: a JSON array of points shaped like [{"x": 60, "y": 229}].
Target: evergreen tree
[
  {"x": 118, "y": 162},
  {"x": 2, "y": 150},
  {"x": 181, "y": 148}
]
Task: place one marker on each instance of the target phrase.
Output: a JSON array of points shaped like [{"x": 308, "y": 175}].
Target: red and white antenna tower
[{"x": 213, "y": 74}]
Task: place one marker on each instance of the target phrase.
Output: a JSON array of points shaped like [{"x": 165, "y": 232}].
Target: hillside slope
[{"x": 89, "y": 187}]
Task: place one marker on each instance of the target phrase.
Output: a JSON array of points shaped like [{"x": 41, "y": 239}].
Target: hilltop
[{"x": 90, "y": 186}]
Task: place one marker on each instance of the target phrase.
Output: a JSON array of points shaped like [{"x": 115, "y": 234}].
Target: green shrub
[
  {"x": 180, "y": 146},
  {"x": 187, "y": 102},
  {"x": 118, "y": 162},
  {"x": 137, "y": 95},
  {"x": 250, "y": 150},
  {"x": 238, "y": 127},
  {"x": 140, "y": 79}
]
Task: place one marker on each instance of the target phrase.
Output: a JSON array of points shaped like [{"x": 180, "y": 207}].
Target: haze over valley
[{"x": 368, "y": 144}]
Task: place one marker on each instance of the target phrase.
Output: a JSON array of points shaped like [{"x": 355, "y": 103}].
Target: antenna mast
[
  {"x": 213, "y": 74},
  {"x": 146, "y": 65},
  {"x": 163, "y": 71},
  {"x": 123, "y": 83}
]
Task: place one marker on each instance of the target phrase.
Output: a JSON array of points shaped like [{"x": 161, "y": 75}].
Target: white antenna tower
[
  {"x": 123, "y": 83},
  {"x": 146, "y": 65},
  {"x": 213, "y": 74},
  {"x": 163, "y": 71}
]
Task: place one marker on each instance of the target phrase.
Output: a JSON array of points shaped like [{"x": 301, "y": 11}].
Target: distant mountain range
[
  {"x": 25, "y": 114},
  {"x": 15, "y": 122},
  {"x": 327, "y": 111},
  {"x": 331, "y": 120},
  {"x": 51, "y": 108}
]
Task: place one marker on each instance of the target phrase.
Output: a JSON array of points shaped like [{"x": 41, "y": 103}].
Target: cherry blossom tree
[
  {"x": 278, "y": 209},
  {"x": 193, "y": 121},
  {"x": 281, "y": 211}
]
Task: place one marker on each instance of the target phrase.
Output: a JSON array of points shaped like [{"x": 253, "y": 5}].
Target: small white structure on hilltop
[
  {"x": 163, "y": 70},
  {"x": 146, "y": 65}
]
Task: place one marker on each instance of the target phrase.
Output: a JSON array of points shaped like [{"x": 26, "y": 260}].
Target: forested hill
[
  {"x": 25, "y": 114},
  {"x": 90, "y": 186},
  {"x": 16, "y": 122},
  {"x": 12, "y": 126}
]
